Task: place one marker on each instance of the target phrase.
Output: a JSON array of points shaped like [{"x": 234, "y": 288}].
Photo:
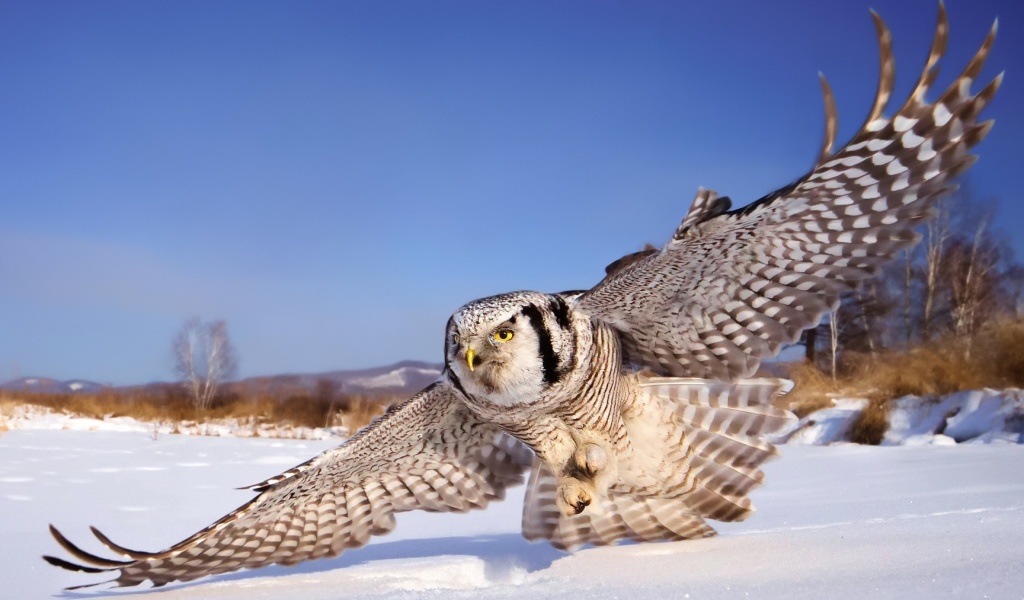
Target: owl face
[{"x": 507, "y": 349}]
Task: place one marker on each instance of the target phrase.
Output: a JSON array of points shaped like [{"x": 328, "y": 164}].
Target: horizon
[
  {"x": 401, "y": 364},
  {"x": 335, "y": 179}
]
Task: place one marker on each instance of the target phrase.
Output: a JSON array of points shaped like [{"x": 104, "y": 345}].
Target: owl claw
[{"x": 573, "y": 496}]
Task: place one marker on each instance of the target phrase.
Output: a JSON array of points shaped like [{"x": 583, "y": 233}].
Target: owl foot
[{"x": 573, "y": 495}]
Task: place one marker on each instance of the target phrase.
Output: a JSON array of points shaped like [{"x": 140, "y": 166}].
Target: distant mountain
[
  {"x": 45, "y": 385},
  {"x": 400, "y": 379}
]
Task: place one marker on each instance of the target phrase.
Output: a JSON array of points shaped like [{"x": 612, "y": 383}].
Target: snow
[
  {"x": 975, "y": 416},
  {"x": 394, "y": 379},
  {"x": 50, "y": 386},
  {"x": 30, "y": 417},
  {"x": 843, "y": 521},
  {"x": 937, "y": 513},
  {"x": 824, "y": 426}
]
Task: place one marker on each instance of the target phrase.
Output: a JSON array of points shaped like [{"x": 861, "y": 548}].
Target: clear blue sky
[{"x": 335, "y": 178}]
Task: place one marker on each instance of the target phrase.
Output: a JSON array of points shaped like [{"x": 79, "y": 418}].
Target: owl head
[{"x": 509, "y": 349}]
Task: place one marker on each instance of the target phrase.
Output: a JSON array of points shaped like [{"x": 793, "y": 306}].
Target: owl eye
[{"x": 503, "y": 335}]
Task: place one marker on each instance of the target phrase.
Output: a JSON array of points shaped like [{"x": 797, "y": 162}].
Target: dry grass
[
  {"x": 352, "y": 412},
  {"x": 1001, "y": 352},
  {"x": 813, "y": 391},
  {"x": 871, "y": 424},
  {"x": 933, "y": 370},
  {"x": 360, "y": 413},
  {"x": 994, "y": 358},
  {"x": 6, "y": 413},
  {"x": 173, "y": 406}
]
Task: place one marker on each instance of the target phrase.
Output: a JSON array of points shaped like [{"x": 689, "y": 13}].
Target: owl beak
[{"x": 470, "y": 355}]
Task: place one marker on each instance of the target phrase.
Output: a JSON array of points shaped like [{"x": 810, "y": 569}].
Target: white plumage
[{"x": 624, "y": 401}]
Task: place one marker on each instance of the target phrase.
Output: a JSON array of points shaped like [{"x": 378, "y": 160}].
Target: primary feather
[{"x": 730, "y": 288}]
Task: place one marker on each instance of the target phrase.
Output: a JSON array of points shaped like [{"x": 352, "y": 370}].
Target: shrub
[{"x": 872, "y": 423}]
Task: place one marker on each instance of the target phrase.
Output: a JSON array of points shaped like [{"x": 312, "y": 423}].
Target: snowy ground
[
  {"x": 833, "y": 522},
  {"x": 969, "y": 417},
  {"x": 28, "y": 416}
]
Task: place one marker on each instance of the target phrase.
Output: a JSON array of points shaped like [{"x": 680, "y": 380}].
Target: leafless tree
[
  {"x": 908, "y": 281},
  {"x": 327, "y": 393},
  {"x": 937, "y": 234},
  {"x": 203, "y": 358},
  {"x": 863, "y": 301},
  {"x": 833, "y": 328},
  {"x": 968, "y": 281}
]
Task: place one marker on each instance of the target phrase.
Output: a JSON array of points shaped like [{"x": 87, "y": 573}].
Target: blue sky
[{"x": 335, "y": 178}]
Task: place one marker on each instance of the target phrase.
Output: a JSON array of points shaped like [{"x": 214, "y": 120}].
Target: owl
[{"x": 627, "y": 403}]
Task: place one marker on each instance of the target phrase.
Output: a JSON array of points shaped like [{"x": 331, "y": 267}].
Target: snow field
[{"x": 836, "y": 522}]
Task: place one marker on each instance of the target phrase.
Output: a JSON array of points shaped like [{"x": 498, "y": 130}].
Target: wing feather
[
  {"x": 730, "y": 288},
  {"x": 429, "y": 453}
]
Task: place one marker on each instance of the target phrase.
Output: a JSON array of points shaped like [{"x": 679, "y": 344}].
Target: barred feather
[
  {"x": 730, "y": 288},
  {"x": 617, "y": 517},
  {"x": 711, "y": 453},
  {"x": 429, "y": 453}
]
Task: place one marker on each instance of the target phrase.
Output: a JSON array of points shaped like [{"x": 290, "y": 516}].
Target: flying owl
[{"x": 625, "y": 402}]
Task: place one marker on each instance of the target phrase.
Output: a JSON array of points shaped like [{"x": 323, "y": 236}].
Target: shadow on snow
[{"x": 501, "y": 555}]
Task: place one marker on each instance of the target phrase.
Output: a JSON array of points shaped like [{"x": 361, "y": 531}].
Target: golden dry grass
[
  {"x": 172, "y": 406},
  {"x": 1001, "y": 352},
  {"x": 813, "y": 391},
  {"x": 872, "y": 423},
  {"x": 6, "y": 412}
]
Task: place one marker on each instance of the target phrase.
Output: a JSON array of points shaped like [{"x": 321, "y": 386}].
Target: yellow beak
[{"x": 470, "y": 355}]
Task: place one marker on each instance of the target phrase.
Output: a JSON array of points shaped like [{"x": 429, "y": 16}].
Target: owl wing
[
  {"x": 427, "y": 453},
  {"x": 731, "y": 287}
]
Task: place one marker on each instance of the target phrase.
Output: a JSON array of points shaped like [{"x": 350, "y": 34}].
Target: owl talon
[{"x": 573, "y": 496}]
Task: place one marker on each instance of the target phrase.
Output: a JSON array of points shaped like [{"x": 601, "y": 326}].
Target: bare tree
[
  {"x": 908, "y": 280},
  {"x": 863, "y": 302},
  {"x": 969, "y": 283},
  {"x": 203, "y": 358},
  {"x": 327, "y": 393},
  {"x": 984, "y": 281},
  {"x": 937, "y": 235},
  {"x": 833, "y": 329}
]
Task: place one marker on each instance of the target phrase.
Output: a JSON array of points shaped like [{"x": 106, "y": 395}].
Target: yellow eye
[{"x": 503, "y": 335}]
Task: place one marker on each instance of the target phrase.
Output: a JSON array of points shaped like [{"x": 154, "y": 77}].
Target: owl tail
[
  {"x": 721, "y": 445},
  {"x": 716, "y": 447}
]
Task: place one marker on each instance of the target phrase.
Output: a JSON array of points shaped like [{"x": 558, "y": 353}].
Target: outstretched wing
[
  {"x": 427, "y": 453},
  {"x": 731, "y": 287}
]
